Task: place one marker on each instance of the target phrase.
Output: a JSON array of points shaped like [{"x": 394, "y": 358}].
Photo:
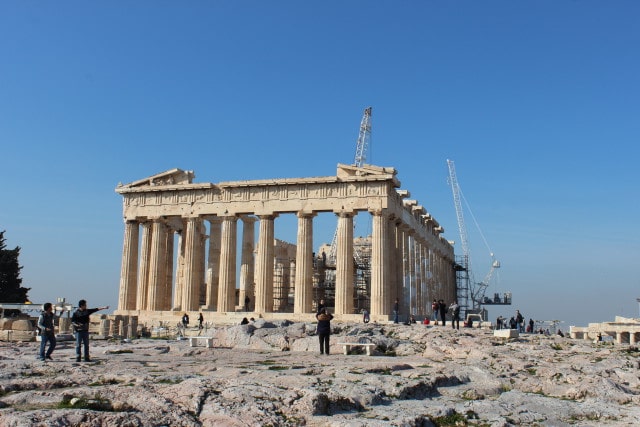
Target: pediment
[{"x": 170, "y": 177}]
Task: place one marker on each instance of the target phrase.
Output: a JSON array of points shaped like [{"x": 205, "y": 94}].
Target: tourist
[
  {"x": 442, "y": 310},
  {"x": 47, "y": 333},
  {"x": 80, "y": 322},
  {"x": 454, "y": 308},
  {"x": 321, "y": 306},
  {"x": 519, "y": 321},
  {"x": 247, "y": 300},
  {"x": 512, "y": 323},
  {"x": 200, "y": 320},
  {"x": 531, "y": 325},
  {"x": 560, "y": 333},
  {"x": 396, "y": 311},
  {"x": 244, "y": 321},
  {"x": 499, "y": 322},
  {"x": 365, "y": 316},
  {"x": 185, "y": 320},
  {"x": 324, "y": 330},
  {"x": 434, "y": 308}
]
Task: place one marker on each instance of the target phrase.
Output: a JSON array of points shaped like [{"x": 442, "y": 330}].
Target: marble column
[
  {"x": 247, "y": 263},
  {"x": 179, "y": 280},
  {"x": 344, "y": 264},
  {"x": 213, "y": 263},
  {"x": 227, "y": 286},
  {"x": 167, "y": 302},
  {"x": 129, "y": 272},
  {"x": 398, "y": 261},
  {"x": 157, "y": 272},
  {"x": 379, "y": 258},
  {"x": 193, "y": 273},
  {"x": 143, "y": 271},
  {"x": 264, "y": 265},
  {"x": 303, "y": 294},
  {"x": 418, "y": 258}
]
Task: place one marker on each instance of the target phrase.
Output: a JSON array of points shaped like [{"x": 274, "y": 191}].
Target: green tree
[{"x": 10, "y": 281}]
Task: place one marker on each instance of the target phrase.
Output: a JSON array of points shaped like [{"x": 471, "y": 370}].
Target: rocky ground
[{"x": 267, "y": 374}]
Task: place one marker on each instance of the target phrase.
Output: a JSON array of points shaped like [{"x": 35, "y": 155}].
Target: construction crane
[
  {"x": 362, "y": 145},
  {"x": 467, "y": 288}
]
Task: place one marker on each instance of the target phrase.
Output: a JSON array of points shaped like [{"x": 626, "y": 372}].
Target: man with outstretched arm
[{"x": 80, "y": 322}]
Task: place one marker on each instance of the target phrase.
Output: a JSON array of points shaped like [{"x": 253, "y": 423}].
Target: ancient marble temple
[{"x": 181, "y": 240}]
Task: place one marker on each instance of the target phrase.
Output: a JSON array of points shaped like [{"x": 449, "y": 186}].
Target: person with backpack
[
  {"x": 434, "y": 308},
  {"x": 47, "y": 331},
  {"x": 80, "y": 323}
]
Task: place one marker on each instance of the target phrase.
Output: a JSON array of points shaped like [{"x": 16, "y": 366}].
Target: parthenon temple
[{"x": 182, "y": 244}]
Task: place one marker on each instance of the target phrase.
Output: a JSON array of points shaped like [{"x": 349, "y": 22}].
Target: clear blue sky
[{"x": 537, "y": 102}]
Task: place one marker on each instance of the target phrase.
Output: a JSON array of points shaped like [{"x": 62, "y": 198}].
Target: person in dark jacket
[
  {"x": 324, "y": 330},
  {"x": 443, "y": 312},
  {"x": 80, "y": 322},
  {"x": 47, "y": 333}
]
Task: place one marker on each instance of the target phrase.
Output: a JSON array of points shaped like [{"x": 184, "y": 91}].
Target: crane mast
[
  {"x": 362, "y": 146},
  {"x": 475, "y": 291},
  {"x": 363, "y": 138},
  {"x": 463, "y": 281}
]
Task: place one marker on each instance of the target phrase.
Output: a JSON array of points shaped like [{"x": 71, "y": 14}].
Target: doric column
[
  {"x": 193, "y": 273},
  {"x": 143, "y": 271},
  {"x": 397, "y": 235},
  {"x": 157, "y": 267},
  {"x": 129, "y": 271},
  {"x": 303, "y": 293},
  {"x": 264, "y": 265},
  {"x": 227, "y": 286},
  {"x": 344, "y": 264},
  {"x": 247, "y": 263},
  {"x": 167, "y": 303},
  {"x": 213, "y": 263},
  {"x": 177, "y": 300},
  {"x": 418, "y": 296},
  {"x": 379, "y": 259},
  {"x": 425, "y": 304}
]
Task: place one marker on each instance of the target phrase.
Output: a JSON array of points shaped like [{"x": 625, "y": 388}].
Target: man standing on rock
[
  {"x": 442, "y": 310},
  {"x": 47, "y": 333},
  {"x": 324, "y": 330},
  {"x": 80, "y": 322},
  {"x": 454, "y": 308}
]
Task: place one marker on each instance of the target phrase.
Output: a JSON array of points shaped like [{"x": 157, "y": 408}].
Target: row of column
[{"x": 402, "y": 266}]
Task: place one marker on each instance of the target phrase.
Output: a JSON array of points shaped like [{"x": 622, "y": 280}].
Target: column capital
[
  {"x": 248, "y": 219},
  {"x": 306, "y": 214},
  {"x": 272, "y": 215}
]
